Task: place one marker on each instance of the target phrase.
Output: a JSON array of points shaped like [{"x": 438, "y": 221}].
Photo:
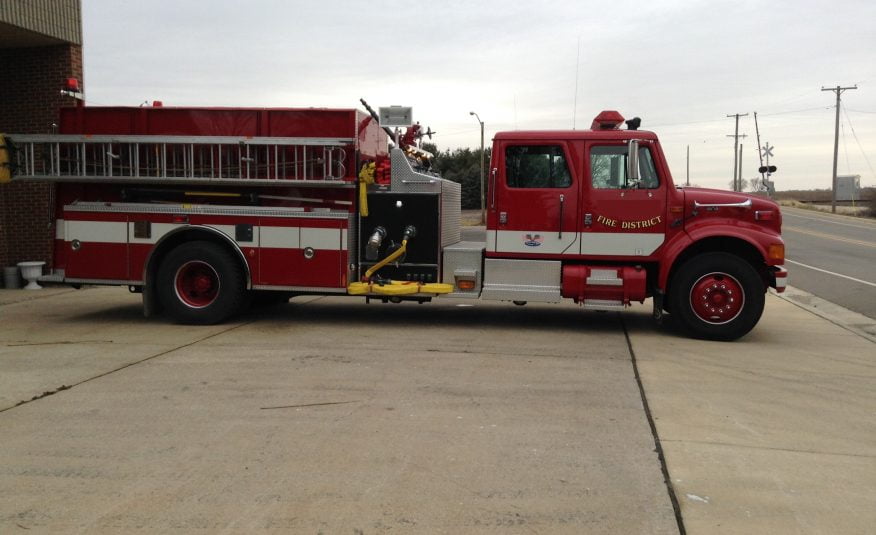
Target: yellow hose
[
  {"x": 366, "y": 178},
  {"x": 401, "y": 250}
]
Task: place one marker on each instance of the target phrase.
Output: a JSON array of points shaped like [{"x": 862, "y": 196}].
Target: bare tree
[{"x": 755, "y": 184}]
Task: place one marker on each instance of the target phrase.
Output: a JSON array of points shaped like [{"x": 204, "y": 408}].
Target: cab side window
[
  {"x": 536, "y": 166},
  {"x": 608, "y": 168}
]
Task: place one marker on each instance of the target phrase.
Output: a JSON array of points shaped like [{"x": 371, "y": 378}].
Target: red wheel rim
[
  {"x": 196, "y": 284},
  {"x": 717, "y": 298}
]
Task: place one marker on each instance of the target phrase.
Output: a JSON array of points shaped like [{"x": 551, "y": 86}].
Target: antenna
[
  {"x": 515, "y": 112},
  {"x": 577, "y": 68}
]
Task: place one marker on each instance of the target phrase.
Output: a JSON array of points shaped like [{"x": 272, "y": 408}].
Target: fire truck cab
[{"x": 204, "y": 209}]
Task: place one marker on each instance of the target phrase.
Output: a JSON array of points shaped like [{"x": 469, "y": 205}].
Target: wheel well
[
  {"x": 719, "y": 244},
  {"x": 170, "y": 241}
]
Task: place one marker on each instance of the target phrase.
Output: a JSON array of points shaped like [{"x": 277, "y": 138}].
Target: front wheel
[
  {"x": 717, "y": 296},
  {"x": 201, "y": 283}
]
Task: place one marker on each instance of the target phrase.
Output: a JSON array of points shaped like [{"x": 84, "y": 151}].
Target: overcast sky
[{"x": 681, "y": 66}]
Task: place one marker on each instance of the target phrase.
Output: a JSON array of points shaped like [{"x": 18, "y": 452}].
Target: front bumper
[{"x": 778, "y": 278}]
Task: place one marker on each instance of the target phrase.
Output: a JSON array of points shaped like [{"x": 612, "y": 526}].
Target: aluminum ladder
[{"x": 181, "y": 159}]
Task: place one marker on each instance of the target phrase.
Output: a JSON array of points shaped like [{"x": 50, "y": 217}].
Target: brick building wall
[{"x": 30, "y": 83}]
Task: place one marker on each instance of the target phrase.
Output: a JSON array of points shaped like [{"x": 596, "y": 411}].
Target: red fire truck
[{"x": 202, "y": 209}]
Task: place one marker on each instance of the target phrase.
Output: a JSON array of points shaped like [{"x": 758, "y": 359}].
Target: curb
[{"x": 849, "y": 320}]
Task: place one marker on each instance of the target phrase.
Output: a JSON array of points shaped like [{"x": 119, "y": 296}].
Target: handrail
[{"x": 744, "y": 204}]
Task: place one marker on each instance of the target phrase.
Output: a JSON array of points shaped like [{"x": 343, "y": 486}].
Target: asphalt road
[{"x": 832, "y": 256}]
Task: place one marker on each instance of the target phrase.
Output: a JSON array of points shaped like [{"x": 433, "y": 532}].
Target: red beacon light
[
  {"x": 607, "y": 120},
  {"x": 72, "y": 85},
  {"x": 71, "y": 89}
]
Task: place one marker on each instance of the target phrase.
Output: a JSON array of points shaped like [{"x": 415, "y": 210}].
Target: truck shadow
[
  {"x": 391, "y": 316},
  {"x": 354, "y": 312}
]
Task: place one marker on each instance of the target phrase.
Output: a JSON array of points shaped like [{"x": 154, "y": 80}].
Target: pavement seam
[
  {"x": 658, "y": 448},
  {"x": 120, "y": 368},
  {"x": 768, "y": 448},
  {"x": 30, "y": 298}
]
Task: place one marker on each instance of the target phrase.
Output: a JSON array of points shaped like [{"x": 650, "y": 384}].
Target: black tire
[
  {"x": 717, "y": 296},
  {"x": 201, "y": 283}
]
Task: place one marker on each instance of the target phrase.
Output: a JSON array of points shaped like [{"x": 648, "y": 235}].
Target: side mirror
[{"x": 632, "y": 161}]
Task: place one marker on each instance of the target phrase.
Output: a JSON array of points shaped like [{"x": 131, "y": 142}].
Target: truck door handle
[
  {"x": 562, "y": 202},
  {"x": 493, "y": 187}
]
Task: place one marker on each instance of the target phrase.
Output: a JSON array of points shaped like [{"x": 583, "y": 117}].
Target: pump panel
[{"x": 394, "y": 212}]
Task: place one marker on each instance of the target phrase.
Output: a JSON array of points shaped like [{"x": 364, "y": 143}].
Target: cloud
[{"x": 680, "y": 65}]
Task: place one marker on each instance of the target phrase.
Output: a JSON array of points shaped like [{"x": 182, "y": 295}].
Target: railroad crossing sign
[{"x": 767, "y": 153}]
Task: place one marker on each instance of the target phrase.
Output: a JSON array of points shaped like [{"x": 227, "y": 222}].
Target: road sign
[{"x": 767, "y": 150}]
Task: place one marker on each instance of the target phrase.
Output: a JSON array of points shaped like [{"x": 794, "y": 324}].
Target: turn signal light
[
  {"x": 776, "y": 251},
  {"x": 764, "y": 215},
  {"x": 465, "y": 284}
]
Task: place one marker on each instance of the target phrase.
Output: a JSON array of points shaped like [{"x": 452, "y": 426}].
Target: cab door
[
  {"x": 533, "y": 202},
  {"x": 622, "y": 217}
]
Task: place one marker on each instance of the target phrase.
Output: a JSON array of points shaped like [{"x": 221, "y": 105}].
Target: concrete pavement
[
  {"x": 323, "y": 416},
  {"x": 332, "y": 416},
  {"x": 773, "y": 434}
]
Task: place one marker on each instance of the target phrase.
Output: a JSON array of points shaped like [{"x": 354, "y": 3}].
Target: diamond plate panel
[
  {"x": 522, "y": 280},
  {"x": 451, "y": 212},
  {"x": 406, "y": 180}
]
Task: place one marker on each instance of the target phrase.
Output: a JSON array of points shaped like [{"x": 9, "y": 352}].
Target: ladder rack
[{"x": 226, "y": 160}]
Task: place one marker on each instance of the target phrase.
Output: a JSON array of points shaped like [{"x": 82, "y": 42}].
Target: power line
[
  {"x": 659, "y": 125},
  {"x": 855, "y": 135},
  {"x": 795, "y": 111},
  {"x": 788, "y": 112},
  {"x": 846, "y": 148}
]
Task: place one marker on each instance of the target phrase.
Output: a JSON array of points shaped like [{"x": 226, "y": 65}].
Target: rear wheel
[
  {"x": 717, "y": 296},
  {"x": 201, "y": 283}
]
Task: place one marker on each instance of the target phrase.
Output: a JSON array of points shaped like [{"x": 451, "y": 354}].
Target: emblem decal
[{"x": 532, "y": 240}]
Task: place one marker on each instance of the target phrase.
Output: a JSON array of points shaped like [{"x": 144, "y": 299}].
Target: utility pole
[
  {"x": 735, "y": 137},
  {"x": 741, "y": 185},
  {"x": 759, "y": 153},
  {"x": 839, "y": 91}
]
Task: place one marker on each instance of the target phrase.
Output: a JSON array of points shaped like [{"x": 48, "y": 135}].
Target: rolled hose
[
  {"x": 399, "y": 288},
  {"x": 395, "y": 287}
]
